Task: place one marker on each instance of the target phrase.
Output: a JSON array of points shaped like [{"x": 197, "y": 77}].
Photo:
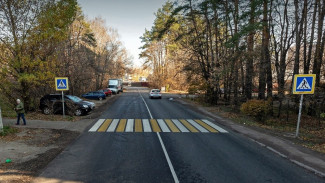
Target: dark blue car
[{"x": 94, "y": 95}]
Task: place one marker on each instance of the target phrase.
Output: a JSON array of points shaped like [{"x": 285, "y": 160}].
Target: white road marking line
[
  {"x": 146, "y": 105},
  {"x": 163, "y": 125},
  {"x": 162, "y": 146},
  {"x": 146, "y": 125},
  {"x": 168, "y": 159},
  {"x": 197, "y": 126},
  {"x": 97, "y": 125},
  {"x": 180, "y": 126},
  {"x": 129, "y": 125},
  {"x": 113, "y": 125},
  {"x": 214, "y": 126}
]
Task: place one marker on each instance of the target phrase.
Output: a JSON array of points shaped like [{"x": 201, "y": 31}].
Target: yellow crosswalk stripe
[
  {"x": 206, "y": 126},
  {"x": 105, "y": 125},
  {"x": 121, "y": 126},
  {"x": 154, "y": 125},
  {"x": 188, "y": 125},
  {"x": 171, "y": 125},
  {"x": 138, "y": 125}
]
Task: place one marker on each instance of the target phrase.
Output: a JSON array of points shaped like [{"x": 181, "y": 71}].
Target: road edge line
[{"x": 145, "y": 104}]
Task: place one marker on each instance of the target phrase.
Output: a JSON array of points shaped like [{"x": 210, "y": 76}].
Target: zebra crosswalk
[{"x": 156, "y": 125}]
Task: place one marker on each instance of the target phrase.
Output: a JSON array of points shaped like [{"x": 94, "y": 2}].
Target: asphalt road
[{"x": 152, "y": 157}]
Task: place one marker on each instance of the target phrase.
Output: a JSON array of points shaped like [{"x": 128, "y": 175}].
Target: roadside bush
[
  {"x": 8, "y": 130},
  {"x": 322, "y": 115},
  {"x": 258, "y": 109}
]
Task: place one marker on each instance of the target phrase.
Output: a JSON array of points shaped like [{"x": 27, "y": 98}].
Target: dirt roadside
[{"x": 31, "y": 149}]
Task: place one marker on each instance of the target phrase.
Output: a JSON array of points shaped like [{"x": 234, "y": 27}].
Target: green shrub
[
  {"x": 322, "y": 115},
  {"x": 7, "y": 130},
  {"x": 258, "y": 109}
]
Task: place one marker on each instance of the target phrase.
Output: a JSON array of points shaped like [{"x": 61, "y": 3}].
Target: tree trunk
[
  {"x": 250, "y": 50},
  {"x": 311, "y": 42},
  {"x": 318, "y": 51}
]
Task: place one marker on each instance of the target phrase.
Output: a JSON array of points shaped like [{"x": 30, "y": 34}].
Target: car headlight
[{"x": 85, "y": 106}]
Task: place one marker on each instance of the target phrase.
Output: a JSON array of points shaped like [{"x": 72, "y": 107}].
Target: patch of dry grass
[{"x": 311, "y": 132}]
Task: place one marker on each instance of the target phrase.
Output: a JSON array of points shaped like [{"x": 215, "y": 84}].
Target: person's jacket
[{"x": 20, "y": 108}]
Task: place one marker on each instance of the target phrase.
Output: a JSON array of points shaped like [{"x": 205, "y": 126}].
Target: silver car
[{"x": 155, "y": 93}]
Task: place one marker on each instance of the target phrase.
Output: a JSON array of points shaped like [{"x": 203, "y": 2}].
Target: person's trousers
[{"x": 22, "y": 116}]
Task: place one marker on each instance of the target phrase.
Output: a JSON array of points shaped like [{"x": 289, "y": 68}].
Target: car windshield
[
  {"x": 74, "y": 98},
  {"x": 112, "y": 86}
]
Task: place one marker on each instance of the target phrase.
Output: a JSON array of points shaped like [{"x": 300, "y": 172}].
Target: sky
[{"x": 129, "y": 17}]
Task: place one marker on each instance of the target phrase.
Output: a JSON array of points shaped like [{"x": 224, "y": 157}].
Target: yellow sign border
[
  {"x": 303, "y": 92},
  {"x": 56, "y": 83}
]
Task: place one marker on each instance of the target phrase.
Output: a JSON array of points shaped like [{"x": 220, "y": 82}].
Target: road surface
[{"x": 138, "y": 139}]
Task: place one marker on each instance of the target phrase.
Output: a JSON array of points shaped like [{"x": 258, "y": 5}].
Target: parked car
[
  {"x": 91, "y": 105},
  {"x": 107, "y": 91},
  {"x": 52, "y": 103},
  {"x": 94, "y": 95},
  {"x": 155, "y": 93}
]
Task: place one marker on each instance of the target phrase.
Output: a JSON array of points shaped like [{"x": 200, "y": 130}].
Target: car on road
[
  {"x": 107, "y": 91},
  {"x": 94, "y": 95},
  {"x": 155, "y": 93},
  {"x": 52, "y": 104}
]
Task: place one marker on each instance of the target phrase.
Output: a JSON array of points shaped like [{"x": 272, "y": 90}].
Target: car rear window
[{"x": 155, "y": 90}]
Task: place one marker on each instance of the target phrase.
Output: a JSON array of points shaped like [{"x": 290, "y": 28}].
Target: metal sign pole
[
  {"x": 299, "y": 115},
  {"x": 63, "y": 105},
  {"x": 1, "y": 124}
]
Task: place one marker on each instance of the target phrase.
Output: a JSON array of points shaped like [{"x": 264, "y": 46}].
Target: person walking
[{"x": 20, "y": 111}]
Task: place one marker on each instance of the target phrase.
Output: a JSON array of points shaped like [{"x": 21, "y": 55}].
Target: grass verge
[
  {"x": 8, "y": 130},
  {"x": 311, "y": 132}
]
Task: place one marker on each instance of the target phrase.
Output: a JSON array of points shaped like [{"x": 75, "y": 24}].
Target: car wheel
[
  {"x": 159, "y": 97},
  {"x": 78, "y": 112},
  {"x": 100, "y": 98},
  {"x": 47, "y": 110}
]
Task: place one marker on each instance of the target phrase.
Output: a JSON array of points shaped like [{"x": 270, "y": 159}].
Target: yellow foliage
[{"x": 256, "y": 108}]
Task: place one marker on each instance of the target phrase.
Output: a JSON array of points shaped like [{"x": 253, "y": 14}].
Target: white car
[{"x": 155, "y": 93}]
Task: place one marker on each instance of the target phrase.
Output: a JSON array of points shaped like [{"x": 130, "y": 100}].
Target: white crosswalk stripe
[
  {"x": 214, "y": 126},
  {"x": 112, "y": 127},
  {"x": 163, "y": 125},
  {"x": 180, "y": 126},
  {"x": 146, "y": 125},
  {"x": 129, "y": 125},
  {"x": 97, "y": 125},
  {"x": 197, "y": 126}
]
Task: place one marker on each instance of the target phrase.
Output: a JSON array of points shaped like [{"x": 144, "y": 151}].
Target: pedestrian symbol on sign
[
  {"x": 61, "y": 84},
  {"x": 304, "y": 85}
]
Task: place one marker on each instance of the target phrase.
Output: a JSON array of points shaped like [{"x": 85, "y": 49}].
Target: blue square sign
[
  {"x": 304, "y": 84},
  {"x": 61, "y": 83}
]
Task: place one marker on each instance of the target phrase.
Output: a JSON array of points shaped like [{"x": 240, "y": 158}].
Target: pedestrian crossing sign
[
  {"x": 61, "y": 83},
  {"x": 304, "y": 84}
]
